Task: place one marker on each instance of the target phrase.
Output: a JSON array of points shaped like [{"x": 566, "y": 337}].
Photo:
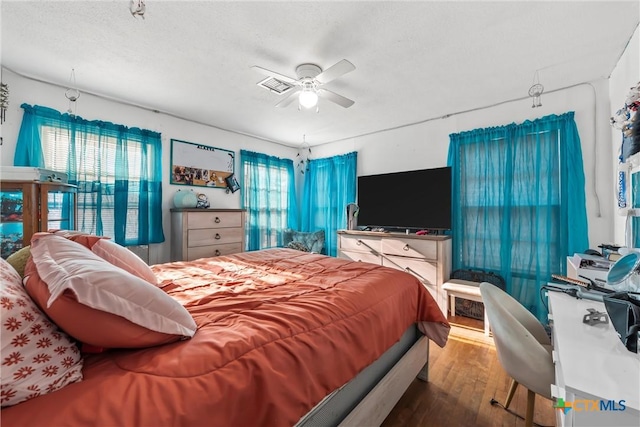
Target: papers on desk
[
  {"x": 592, "y": 262},
  {"x": 591, "y": 266}
]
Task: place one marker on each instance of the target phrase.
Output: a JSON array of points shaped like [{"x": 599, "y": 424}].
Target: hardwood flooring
[{"x": 463, "y": 377}]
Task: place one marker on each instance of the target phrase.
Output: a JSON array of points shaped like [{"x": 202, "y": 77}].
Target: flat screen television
[{"x": 419, "y": 199}]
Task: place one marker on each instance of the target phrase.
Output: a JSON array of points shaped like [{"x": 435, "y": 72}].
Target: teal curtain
[
  {"x": 519, "y": 205},
  {"x": 329, "y": 186},
  {"x": 118, "y": 171},
  {"x": 269, "y": 197}
]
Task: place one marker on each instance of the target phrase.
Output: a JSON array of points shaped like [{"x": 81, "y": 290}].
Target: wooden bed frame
[
  {"x": 374, "y": 408},
  {"x": 348, "y": 406}
]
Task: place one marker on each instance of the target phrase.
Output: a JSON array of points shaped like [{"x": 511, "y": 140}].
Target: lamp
[
  {"x": 308, "y": 97},
  {"x": 535, "y": 91}
]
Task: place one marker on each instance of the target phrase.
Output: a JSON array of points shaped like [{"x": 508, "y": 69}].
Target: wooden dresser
[
  {"x": 426, "y": 257},
  {"x": 201, "y": 233}
]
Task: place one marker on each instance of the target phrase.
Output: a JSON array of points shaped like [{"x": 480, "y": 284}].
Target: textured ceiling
[{"x": 414, "y": 60}]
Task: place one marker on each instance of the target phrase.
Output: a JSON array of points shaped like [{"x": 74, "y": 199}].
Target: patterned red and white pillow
[{"x": 36, "y": 357}]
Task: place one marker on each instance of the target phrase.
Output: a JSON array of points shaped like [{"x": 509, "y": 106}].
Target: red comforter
[{"x": 278, "y": 330}]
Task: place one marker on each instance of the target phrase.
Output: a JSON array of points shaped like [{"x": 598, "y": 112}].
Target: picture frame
[
  {"x": 232, "y": 183},
  {"x": 200, "y": 165}
]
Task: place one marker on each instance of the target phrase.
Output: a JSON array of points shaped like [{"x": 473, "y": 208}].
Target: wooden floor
[{"x": 463, "y": 377}]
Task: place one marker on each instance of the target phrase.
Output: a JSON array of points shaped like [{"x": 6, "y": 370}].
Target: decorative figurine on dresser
[{"x": 203, "y": 201}]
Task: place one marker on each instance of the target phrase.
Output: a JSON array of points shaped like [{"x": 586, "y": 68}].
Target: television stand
[{"x": 427, "y": 257}]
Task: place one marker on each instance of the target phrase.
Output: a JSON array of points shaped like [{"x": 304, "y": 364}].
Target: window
[
  {"x": 117, "y": 171},
  {"x": 96, "y": 163},
  {"x": 519, "y": 207},
  {"x": 330, "y": 185},
  {"x": 268, "y": 195},
  {"x": 528, "y": 197}
]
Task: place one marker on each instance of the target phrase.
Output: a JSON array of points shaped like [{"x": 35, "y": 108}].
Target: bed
[{"x": 282, "y": 335}]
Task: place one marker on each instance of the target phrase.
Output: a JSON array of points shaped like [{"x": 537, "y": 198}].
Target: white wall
[
  {"x": 412, "y": 147},
  {"x": 624, "y": 76},
  {"x": 23, "y": 90},
  {"x": 426, "y": 145}
]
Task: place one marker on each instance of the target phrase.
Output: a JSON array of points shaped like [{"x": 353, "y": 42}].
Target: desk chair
[{"x": 517, "y": 335}]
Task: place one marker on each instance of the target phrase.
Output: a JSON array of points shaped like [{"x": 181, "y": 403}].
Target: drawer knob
[
  {"x": 217, "y": 236},
  {"x": 406, "y": 247},
  {"x": 217, "y": 220},
  {"x": 217, "y": 252}
]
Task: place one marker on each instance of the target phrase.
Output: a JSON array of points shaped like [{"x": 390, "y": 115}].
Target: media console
[{"x": 428, "y": 257}]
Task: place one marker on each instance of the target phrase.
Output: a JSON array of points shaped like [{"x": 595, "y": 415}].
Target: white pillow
[
  {"x": 111, "y": 252},
  {"x": 122, "y": 257},
  {"x": 36, "y": 357},
  {"x": 66, "y": 265}
]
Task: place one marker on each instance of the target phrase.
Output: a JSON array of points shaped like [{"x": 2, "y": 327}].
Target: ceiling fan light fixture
[
  {"x": 308, "y": 98},
  {"x": 309, "y": 82}
]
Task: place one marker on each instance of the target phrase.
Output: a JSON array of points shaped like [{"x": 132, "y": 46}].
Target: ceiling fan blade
[
  {"x": 275, "y": 75},
  {"x": 289, "y": 99},
  {"x": 335, "y": 71},
  {"x": 334, "y": 97}
]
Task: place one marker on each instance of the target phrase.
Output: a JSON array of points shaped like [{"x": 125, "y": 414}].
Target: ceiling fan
[{"x": 307, "y": 87}]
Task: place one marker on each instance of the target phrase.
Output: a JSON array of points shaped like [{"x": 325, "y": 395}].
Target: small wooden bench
[{"x": 457, "y": 288}]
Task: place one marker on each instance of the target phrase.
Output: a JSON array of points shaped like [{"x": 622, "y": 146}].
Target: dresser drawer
[
  {"x": 359, "y": 244},
  {"x": 423, "y": 270},
  {"x": 361, "y": 256},
  {"x": 196, "y": 220},
  {"x": 201, "y": 233},
  {"x": 214, "y": 236},
  {"x": 424, "y": 249},
  {"x": 213, "y": 250}
]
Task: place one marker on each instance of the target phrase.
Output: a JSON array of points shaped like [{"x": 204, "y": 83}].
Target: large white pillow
[
  {"x": 111, "y": 252},
  {"x": 122, "y": 257},
  {"x": 36, "y": 357},
  {"x": 65, "y": 265}
]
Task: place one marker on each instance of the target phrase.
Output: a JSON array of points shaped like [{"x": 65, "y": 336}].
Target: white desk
[{"x": 592, "y": 364}]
